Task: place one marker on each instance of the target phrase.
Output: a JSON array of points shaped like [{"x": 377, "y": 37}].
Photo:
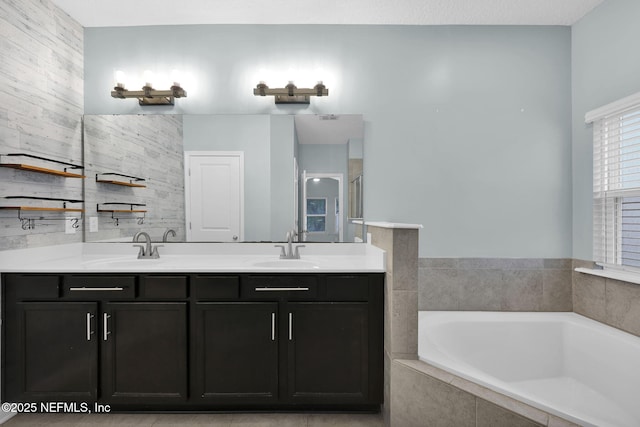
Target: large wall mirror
[{"x": 223, "y": 178}]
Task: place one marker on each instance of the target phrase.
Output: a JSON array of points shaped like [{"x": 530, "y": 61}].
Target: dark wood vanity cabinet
[
  {"x": 328, "y": 352},
  {"x": 194, "y": 341},
  {"x": 236, "y": 352},
  {"x": 50, "y": 352},
  {"x": 144, "y": 351},
  {"x": 68, "y": 350}
]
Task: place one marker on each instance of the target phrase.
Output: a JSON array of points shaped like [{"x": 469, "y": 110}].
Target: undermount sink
[
  {"x": 286, "y": 263},
  {"x": 121, "y": 262},
  {"x": 134, "y": 263}
]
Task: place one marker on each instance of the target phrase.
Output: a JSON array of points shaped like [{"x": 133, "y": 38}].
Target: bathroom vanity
[{"x": 266, "y": 336}]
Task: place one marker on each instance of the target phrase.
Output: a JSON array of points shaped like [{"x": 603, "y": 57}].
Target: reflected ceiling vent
[{"x": 290, "y": 94}]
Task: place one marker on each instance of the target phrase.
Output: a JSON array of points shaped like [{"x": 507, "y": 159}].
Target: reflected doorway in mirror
[{"x": 322, "y": 196}]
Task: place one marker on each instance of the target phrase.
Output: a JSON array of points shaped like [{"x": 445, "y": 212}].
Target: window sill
[{"x": 625, "y": 276}]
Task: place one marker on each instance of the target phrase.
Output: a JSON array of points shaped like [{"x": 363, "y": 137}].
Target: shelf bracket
[
  {"x": 116, "y": 219},
  {"x": 27, "y": 223}
]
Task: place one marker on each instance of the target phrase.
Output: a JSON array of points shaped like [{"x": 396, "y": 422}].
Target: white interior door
[{"x": 214, "y": 195}]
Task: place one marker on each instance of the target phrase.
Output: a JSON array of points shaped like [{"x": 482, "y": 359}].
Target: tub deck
[{"x": 561, "y": 363}]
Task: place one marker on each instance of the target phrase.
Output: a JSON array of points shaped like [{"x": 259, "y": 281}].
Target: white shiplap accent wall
[
  {"x": 41, "y": 104},
  {"x": 145, "y": 146}
]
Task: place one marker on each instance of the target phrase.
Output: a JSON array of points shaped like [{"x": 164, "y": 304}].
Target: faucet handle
[
  {"x": 154, "y": 251},
  {"x": 296, "y": 255},
  {"x": 141, "y": 251},
  {"x": 283, "y": 253}
]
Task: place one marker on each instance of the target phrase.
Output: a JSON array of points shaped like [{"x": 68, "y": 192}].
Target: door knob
[{"x": 235, "y": 237}]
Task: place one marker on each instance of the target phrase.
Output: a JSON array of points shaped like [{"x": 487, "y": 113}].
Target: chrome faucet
[
  {"x": 147, "y": 251},
  {"x": 290, "y": 252},
  {"x": 165, "y": 237}
]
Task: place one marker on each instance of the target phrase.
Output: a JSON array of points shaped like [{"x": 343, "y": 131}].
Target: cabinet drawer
[
  {"x": 347, "y": 288},
  {"x": 163, "y": 287},
  {"x": 33, "y": 286},
  {"x": 294, "y": 287},
  {"x": 216, "y": 287},
  {"x": 98, "y": 287}
]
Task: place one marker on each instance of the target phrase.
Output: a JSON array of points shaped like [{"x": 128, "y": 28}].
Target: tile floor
[{"x": 196, "y": 420}]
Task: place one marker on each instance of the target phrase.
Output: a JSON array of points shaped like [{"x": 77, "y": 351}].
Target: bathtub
[{"x": 562, "y": 363}]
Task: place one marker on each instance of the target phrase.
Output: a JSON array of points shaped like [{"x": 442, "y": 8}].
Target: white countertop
[
  {"x": 394, "y": 225},
  {"x": 194, "y": 258}
]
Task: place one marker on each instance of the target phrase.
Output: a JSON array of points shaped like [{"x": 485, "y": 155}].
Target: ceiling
[
  {"x": 114, "y": 13},
  {"x": 328, "y": 128}
]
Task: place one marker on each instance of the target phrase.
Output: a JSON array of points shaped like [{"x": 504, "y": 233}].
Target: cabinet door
[
  {"x": 144, "y": 349},
  {"x": 236, "y": 352},
  {"x": 51, "y": 352},
  {"x": 327, "y": 352}
]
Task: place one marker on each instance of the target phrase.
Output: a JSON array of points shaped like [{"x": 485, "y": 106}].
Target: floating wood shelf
[
  {"x": 126, "y": 184},
  {"x": 40, "y": 208},
  {"x": 26, "y": 213},
  {"x": 101, "y": 207},
  {"x": 117, "y": 209},
  {"x": 132, "y": 182},
  {"x": 40, "y": 169},
  {"x": 122, "y": 210}
]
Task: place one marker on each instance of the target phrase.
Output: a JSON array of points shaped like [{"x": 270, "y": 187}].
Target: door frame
[{"x": 187, "y": 185}]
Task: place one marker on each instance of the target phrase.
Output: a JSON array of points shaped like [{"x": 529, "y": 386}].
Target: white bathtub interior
[{"x": 562, "y": 363}]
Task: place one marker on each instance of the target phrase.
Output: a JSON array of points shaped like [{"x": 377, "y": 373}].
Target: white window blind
[{"x": 616, "y": 187}]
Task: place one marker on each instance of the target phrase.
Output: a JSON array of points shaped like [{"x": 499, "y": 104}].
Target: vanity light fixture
[
  {"x": 150, "y": 96},
  {"x": 290, "y": 94}
]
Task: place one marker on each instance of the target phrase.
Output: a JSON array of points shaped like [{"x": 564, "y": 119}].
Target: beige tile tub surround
[
  {"x": 400, "y": 298},
  {"x": 423, "y": 395},
  {"x": 495, "y": 284},
  {"x": 609, "y": 301},
  {"x": 401, "y": 289}
]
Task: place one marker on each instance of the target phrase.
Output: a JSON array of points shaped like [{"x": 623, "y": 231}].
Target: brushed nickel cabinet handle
[
  {"x": 299, "y": 288},
  {"x": 89, "y": 331},
  {"x": 105, "y": 326},
  {"x": 290, "y": 326},
  {"x": 273, "y": 326},
  {"x": 84, "y": 288}
]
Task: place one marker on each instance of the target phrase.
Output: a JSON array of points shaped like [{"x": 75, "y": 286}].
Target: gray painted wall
[
  {"x": 251, "y": 135},
  {"x": 467, "y": 128},
  {"x": 282, "y": 176},
  {"x": 267, "y": 143},
  {"x": 498, "y": 95},
  {"x": 41, "y": 105},
  {"x": 605, "y": 68}
]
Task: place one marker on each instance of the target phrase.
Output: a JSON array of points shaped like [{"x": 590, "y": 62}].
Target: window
[
  {"x": 316, "y": 215},
  {"x": 616, "y": 183}
]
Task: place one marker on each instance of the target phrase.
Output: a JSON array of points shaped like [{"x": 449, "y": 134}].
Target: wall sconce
[
  {"x": 290, "y": 94},
  {"x": 150, "y": 96}
]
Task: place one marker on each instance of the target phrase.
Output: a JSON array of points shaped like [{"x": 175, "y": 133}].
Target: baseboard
[{"x": 6, "y": 416}]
